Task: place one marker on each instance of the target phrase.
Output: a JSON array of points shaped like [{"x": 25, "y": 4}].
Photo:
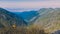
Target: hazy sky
[{"x": 21, "y": 5}]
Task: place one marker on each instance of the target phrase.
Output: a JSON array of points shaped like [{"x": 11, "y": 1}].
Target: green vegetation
[{"x": 47, "y": 22}]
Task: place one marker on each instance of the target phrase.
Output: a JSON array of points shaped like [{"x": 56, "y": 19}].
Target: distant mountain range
[
  {"x": 8, "y": 18},
  {"x": 49, "y": 18},
  {"x": 27, "y": 15}
]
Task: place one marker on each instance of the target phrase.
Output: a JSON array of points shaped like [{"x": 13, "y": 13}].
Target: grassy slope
[{"x": 50, "y": 20}]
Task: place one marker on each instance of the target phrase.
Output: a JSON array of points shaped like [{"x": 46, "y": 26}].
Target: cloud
[
  {"x": 29, "y": 5},
  {"x": 29, "y": 0}
]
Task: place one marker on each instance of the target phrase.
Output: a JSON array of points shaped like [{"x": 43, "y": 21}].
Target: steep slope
[
  {"x": 8, "y": 19},
  {"x": 49, "y": 19}
]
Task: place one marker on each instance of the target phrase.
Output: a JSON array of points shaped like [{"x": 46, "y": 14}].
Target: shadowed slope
[{"x": 8, "y": 19}]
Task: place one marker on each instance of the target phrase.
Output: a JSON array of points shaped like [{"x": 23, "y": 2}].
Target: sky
[{"x": 26, "y": 5}]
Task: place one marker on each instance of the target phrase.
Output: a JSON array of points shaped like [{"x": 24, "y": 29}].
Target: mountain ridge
[{"x": 8, "y": 19}]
